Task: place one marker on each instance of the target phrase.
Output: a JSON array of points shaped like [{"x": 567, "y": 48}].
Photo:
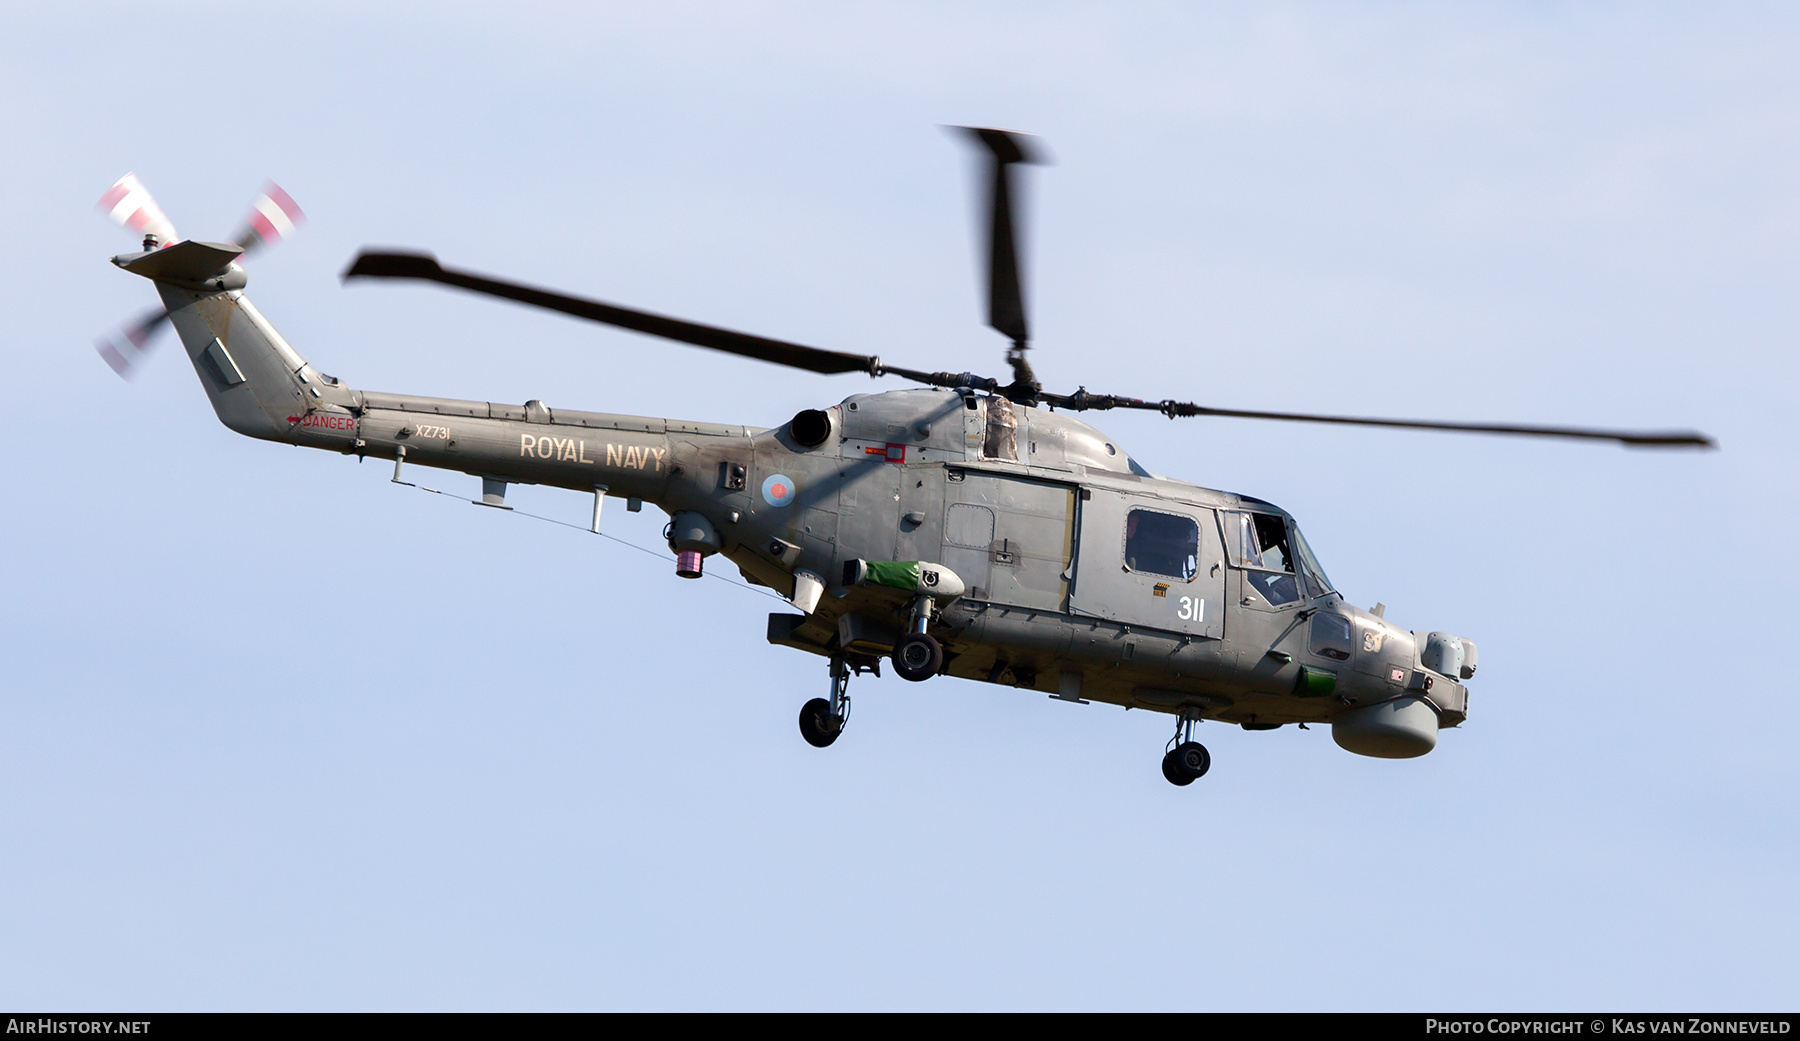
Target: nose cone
[{"x": 1405, "y": 728}]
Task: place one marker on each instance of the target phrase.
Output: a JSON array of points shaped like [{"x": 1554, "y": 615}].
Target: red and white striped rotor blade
[
  {"x": 126, "y": 346},
  {"x": 130, "y": 205},
  {"x": 273, "y": 217}
]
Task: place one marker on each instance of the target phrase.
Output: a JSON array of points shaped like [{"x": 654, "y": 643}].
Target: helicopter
[{"x": 963, "y": 527}]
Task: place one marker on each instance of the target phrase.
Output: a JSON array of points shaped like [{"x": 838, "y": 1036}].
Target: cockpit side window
[
  {"x": 1331, "y": 636},
  {"x": 1272, "y": 540},
  {"x": 1162, "y": 544},
  {"x": 1259, "y": 540},
  {"x": 1259, "y": 544}
]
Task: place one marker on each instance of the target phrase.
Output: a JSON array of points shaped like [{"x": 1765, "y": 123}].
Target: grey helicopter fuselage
[{"x": 1082, "y": 575}]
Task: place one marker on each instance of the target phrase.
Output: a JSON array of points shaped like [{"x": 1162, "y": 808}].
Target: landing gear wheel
[
  {"x": 918, "y": 657},
  {"x": 1187, "y": 763},
  {"x": 818, "y": 725}
]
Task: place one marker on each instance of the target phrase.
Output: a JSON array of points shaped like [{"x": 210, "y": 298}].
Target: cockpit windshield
[{"x": 1317, "y": 583}]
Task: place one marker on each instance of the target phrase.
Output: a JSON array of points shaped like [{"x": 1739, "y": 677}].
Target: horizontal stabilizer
[{"x": 185, "y": 263}]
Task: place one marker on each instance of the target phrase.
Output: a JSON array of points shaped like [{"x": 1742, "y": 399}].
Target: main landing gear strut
[
  {"x": 821, "y": 721},
  {"x": 918, "y": 656},
  {"x": 1187, "y": 760}
]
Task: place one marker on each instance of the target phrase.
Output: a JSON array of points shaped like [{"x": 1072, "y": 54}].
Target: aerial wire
[{"x": 589, "y": 531}]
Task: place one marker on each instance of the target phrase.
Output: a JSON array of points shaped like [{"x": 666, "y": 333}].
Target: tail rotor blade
[
  {"x": 129, "y": 204},
  {"x": 273, "y": 217}
]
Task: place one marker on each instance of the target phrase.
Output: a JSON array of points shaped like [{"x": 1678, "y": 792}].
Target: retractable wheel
[
  {"x": 818, "y": 725},
  {"x": 1173, "y": 772},
  {"x": 918, "y": 657}
]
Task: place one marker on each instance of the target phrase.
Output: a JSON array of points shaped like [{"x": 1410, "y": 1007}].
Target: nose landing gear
[
  {"x": 821, "y": 721},
  {"x": 1187, "y": 760}
]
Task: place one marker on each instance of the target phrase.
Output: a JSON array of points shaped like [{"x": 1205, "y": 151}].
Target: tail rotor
[
  {"x": 125, "y": 347},
  {"x": 273, "y": 216}
]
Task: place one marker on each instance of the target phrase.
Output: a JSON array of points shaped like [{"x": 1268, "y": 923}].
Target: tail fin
[{"x": 255, "y": 381}]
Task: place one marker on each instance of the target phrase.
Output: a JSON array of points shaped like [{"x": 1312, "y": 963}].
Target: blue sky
[{"x": 275, "y": 733}]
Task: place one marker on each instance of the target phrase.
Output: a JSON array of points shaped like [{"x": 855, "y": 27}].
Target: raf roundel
[{"x": 778, "y": 490}]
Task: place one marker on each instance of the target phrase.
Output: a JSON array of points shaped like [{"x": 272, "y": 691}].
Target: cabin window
[{"x": 1162, "y": 544}]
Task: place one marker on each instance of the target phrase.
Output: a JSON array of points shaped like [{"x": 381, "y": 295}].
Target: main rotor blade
[
  {"x": 425, "y": 267},
  {"x": 1006, "y": 301},
  {"x": 1081, "y": 400},
  {"x": 1006, "y": 297}
]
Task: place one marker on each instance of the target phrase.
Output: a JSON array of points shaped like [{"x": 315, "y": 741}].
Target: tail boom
[{"x": 261, "y": 387}]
